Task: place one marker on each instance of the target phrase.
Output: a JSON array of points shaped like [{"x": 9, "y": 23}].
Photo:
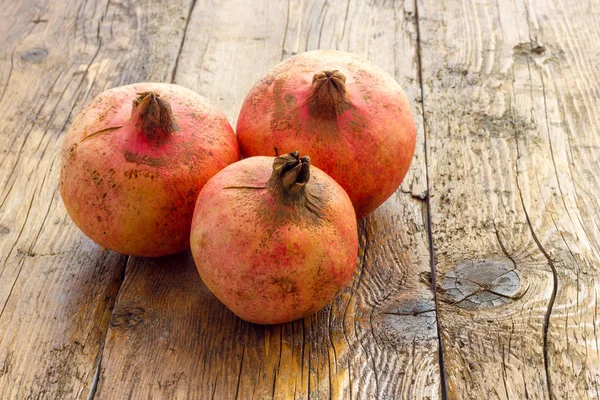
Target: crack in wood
[
  {"x": 554, "y": 283},
  {"x": 185, "y": 29},
  {"x": 96, "y": 379},
  {"x": 419, "y": 57},
  {"x": 285, "y": 29}
]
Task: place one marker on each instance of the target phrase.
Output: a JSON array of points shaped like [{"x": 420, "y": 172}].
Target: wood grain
[
  {"x": 57, "y": 288},
  {"x": 170, "y": 338},
  {"x": 510, "y": 114},
  {"x": 510, "y": 99}
]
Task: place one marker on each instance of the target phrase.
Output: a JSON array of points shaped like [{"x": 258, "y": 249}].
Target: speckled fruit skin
[
  {"x": 267, "y": 262},
  {"x": 133, "y": 195},
  {"x": 367, "y": 149}
]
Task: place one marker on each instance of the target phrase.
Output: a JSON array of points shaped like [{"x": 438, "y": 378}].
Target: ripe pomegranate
[
  {"x": 347, "y": 113},
  {"x": 134, "y": 161},
  {"x": 273, "y": 238}
]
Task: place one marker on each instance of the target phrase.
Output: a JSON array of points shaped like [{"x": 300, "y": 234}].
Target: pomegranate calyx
[
  {"x": 327, "y": 97},
  {"x": 290, "y": 172},
  {"x": 153, "y": 116}
]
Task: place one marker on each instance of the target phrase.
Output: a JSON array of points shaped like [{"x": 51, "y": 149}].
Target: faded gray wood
[
  {"x": 57, "y": 288},
  {"x": 511, "y": 98},
  {"x": 170, "y": 338}
]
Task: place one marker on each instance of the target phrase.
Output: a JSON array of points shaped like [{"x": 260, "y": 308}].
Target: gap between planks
[
  {"x": 444, "y": 388},
  {"x": 96, "y": 378}
]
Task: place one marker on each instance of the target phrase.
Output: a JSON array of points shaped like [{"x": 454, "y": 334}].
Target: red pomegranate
[
  {"x": 134, "y": 161},
  {"x": 274, "y": 238},
  {"x": 347, "y": 113}
]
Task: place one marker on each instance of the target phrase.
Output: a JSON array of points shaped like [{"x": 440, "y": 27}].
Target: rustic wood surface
[
  {"x": 510, "y": 99},
  {"x": 505, "y": 95},
  {"x": 367, "y": 343},
  {"x": 57, "y": 288}
]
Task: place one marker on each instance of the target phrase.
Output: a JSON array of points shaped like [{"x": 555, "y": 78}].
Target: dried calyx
[
  {"x": 288, "y": 181},
  {"x": 153, "y": 116},
  {"x": 327, "y": 97},
  {"x": 290, "y": 173}
]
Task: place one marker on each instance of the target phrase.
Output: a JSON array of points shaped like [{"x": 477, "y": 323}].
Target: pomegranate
[
  {"x": 131, "y": 173},
  {"x": 347, "y": 113},
  {"x": 273, "y": 238}
]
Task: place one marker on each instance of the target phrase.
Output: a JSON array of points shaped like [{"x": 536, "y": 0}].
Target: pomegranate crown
[
  {"x": 153, "y": 116},
  {"x": 292, "y": 171},
  {"x": 327, "y": 97}
]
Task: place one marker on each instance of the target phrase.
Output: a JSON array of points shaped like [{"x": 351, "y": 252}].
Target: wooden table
[{"x": 501, "y": 203}]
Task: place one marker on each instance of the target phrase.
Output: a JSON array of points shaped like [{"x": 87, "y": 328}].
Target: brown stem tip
[
  {"x": 290, "y": 172},
  {"x": 327, "y": 97},
  {"x": 153, "y": 116}
]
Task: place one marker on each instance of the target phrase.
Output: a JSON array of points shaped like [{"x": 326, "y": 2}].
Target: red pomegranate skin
[
  {"x": 135, "y": 194},
  {"x": 269, "y": 262},
  {"x": 367, "y": 147}
]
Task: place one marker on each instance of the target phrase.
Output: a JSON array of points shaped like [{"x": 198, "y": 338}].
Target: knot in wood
[
  {"x": 128, "y": 317},
  {"x": 481, "y": 284},
  {"x": 409, "y": 318},
  {"x": 35, "y": 56},
  {"x": 529, "y": 50}
]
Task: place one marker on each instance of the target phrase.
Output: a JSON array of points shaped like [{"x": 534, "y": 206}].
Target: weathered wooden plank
[
  {"x": 170, "y": 338},
  {"x": 510, "y": 98},
  {"x": 57, "y": 288},
  {"x": 566, "y": 72}
]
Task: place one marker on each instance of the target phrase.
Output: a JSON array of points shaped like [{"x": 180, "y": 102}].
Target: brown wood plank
[
  {"x": 57, "y": 288},
  {"x": 170, "y": 338},
  {"x": 567, "y": 74},
  {"x": 511, "y": 98}
]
